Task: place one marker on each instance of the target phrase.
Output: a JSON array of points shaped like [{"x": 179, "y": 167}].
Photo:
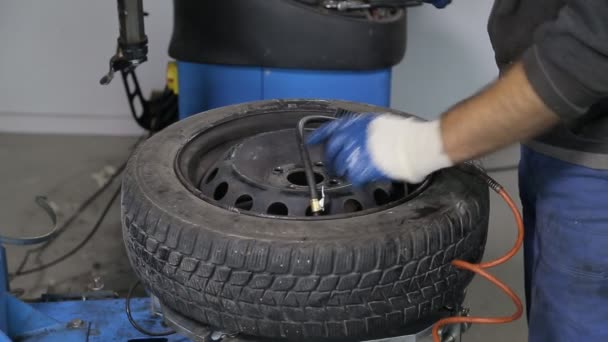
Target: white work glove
[{"x": 367, "y": 148}]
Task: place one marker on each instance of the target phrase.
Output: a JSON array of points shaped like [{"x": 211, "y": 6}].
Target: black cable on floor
[
  {"x": 132, "y": 321},
  {"x": 33, "y": 240},
  {"x": 82, "y": 243},
  {"x": 82, "y": 207}
]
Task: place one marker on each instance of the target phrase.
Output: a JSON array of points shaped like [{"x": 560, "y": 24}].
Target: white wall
[
  {"x": 448, "y": 57},
  {"x": 53, "y": 53}
]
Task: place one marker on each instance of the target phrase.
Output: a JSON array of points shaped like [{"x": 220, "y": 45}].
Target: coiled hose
[{"x": 481, "y": 268}]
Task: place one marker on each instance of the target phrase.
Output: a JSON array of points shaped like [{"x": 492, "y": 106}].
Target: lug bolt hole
[{"x": 299, "y": 178}]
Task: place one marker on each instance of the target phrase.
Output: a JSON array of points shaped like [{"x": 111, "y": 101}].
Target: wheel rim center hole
[{"x": 299, "y": 178}]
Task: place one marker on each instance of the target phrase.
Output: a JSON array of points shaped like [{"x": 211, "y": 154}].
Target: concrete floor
[{"x": 67, "y": 169}]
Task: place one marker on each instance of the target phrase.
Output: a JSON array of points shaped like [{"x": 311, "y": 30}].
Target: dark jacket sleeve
[{"x": 568, "y": 63}]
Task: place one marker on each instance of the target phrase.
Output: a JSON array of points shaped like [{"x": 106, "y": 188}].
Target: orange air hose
[{"x": 480, "y": 269}]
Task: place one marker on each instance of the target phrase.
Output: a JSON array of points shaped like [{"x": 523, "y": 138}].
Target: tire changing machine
[{"x": 228, "y": 52}]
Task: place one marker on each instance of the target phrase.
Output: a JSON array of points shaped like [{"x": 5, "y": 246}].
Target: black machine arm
[
  {"x": 160, "y": 110},
  {"x": 132, "y": 47}
]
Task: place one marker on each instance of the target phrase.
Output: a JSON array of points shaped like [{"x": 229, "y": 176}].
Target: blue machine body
[{"x": 205, "y": 86}]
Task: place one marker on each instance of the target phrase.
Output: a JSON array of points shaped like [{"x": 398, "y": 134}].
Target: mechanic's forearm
[{"x": 506, "y": 112}]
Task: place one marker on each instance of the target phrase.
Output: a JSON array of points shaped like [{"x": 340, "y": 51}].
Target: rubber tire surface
[{"x": 346, "y": 278}]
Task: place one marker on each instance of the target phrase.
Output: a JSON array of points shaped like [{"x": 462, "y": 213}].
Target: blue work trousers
[{"x": 565, "y": 208}]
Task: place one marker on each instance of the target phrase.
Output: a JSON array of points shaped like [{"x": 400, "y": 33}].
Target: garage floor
[{"x": 68, "y": 169}]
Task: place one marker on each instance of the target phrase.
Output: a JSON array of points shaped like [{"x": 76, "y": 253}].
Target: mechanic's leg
[
  {"x": 569, "y": 287},
  {"x": 527, "y": 195}
]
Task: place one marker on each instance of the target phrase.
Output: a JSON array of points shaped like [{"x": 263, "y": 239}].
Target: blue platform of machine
[{"x": 79, "y": 321}]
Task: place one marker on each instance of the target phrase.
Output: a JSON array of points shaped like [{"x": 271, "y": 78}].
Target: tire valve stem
[
  {"x": 315, "y": 206},
  {"x": 322, "y": 200}
]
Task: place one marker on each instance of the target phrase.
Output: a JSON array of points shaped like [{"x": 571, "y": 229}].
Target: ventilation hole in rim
[
  {"x": 211, "y": 176},
  {"x": 244, "y": 202},
  {"x": 351, "y": 206},
  {"x": 299, "y": 178},
  {"x": 278, "y": 209},
  {"x": 381, "y": 197},
  {"x": 400, "y": 190},
  {"x": 220, "y": 191}
]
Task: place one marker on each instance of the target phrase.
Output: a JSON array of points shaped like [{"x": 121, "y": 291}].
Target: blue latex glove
[
  {"x": 346, "y": 151},
  {"x": 439, "y": 3}
]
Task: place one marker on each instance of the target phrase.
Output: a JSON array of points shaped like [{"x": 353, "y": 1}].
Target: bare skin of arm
[{"x": 507, "y": 111}]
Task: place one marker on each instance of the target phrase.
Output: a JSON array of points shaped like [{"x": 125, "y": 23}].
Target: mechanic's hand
[
  {"x": 346, "y": 151},
  {"x": 368, "y": 148},
  {"x": 439, "y": 3}
]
